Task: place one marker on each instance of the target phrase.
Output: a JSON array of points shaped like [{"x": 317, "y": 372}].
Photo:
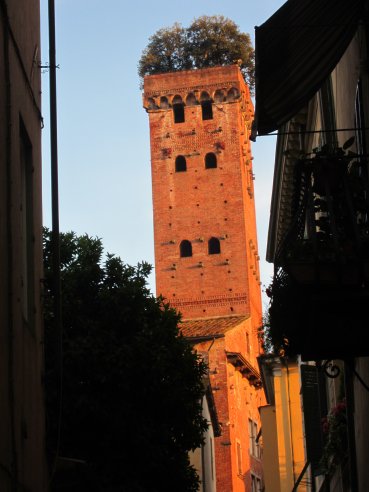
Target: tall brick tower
[{"x": 206, "y": 255}]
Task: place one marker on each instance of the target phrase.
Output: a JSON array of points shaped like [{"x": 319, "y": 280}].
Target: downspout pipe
[{"x": 55, "y": 208}]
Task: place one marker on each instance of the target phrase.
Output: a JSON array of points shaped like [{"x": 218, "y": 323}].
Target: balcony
[{"x": 320, "y": 292}]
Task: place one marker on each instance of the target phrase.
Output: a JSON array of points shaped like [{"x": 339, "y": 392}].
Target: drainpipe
[{"x": 55, "y": 209}]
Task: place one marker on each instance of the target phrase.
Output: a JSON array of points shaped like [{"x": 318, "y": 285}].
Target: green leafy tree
[
  {"x": 131, "y": 385},
  {"x": 209, "y": 41}
]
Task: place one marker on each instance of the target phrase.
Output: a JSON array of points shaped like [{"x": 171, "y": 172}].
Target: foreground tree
[
  {"x": 209, "y": 41},
  {"x": 131, "y": 385}
]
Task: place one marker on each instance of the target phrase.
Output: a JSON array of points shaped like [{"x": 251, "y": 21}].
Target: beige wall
[
  {"x": 21, "y": 397},
  {"x": 283, "y": 436},
  {"x": 204, "y": 459},
  {"x": 270, "y": 449}
]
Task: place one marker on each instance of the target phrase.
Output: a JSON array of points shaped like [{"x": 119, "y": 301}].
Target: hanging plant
[{"x": 334, "y": 427}]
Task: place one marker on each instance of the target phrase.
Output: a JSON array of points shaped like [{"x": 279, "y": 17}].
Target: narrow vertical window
[
  {"x": 27, "y": 263},
  {"x": 210, "y": 161},
  {"x": 256, "y": 444},
  {"x": 185, "y": 248},
  {"x": 206, "y": 106},
  {"x": 251, "y": 439},
  {"x": 178, "y": 109},
  {"x": 180, "y": 164},
  {"x": 213, "y": 246}
]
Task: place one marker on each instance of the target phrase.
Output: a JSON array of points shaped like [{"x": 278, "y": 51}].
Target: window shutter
[{"x": 312, "y": 404}]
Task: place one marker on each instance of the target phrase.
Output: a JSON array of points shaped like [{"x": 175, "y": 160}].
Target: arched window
[
  {"x": 181, "y": 164},
  {"x": 164, "y": 103},
  {"x": 185, "y": 248},
  {"x": 233, "y": 94},
  {"x": 178, "y": 109},
  {"x": 210, "y": 160},
  {"x": 219, "y": 96},
  {"x": 213, "y": 246},
  {"x": 191, "y": 99},
  {"x": 206, "y": 106}
]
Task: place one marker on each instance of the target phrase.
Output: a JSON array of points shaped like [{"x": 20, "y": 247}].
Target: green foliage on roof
[{"x": 209, "y": 41}]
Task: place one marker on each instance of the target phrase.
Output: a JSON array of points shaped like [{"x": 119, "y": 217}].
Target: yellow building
[
  {"x": 284, "y": 456},
  {"x": 312, "y": 87}
]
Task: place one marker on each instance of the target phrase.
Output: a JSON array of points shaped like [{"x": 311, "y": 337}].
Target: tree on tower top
[{"x": 208, "y": 42}]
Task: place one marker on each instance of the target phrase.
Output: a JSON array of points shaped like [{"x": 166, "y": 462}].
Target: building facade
[
  {"x": 206, "y": 253},
  {"x": 283, "y": 434},
  {"x": 316, "y": 97},
  {"x": 22, "y": 447}
]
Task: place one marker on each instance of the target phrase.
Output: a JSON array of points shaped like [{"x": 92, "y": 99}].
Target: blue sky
[{"x": 103, "y": 132}]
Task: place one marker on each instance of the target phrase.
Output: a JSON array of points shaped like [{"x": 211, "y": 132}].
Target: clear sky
[{"x": 103, "y": 131}]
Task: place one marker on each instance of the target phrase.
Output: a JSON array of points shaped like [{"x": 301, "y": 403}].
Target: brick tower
[{"x": 206, "y": 256}]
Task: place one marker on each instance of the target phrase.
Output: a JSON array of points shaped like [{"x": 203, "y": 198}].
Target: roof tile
[{"x": 204, "y": 327}]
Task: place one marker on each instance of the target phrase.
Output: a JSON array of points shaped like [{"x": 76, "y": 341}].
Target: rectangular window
[
  {"x": 26, "y": 208},
  {"x": 253, "y": 444},
  {"x": 256, "y": 444},
  {"x": 207, "y": 110},
  {"x": 251, "y": 441}
]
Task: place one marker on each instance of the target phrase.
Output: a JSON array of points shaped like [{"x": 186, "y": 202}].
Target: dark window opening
[
  {"x": 181, "y": 164},
  {"x": 207, "y": 110},
  {"x": 206, "y": 106},
  {"x": 185, "y": 248},
  {"x": 214, "y": 246},
  {"x": 210, "y": 161},
  {"x": 178, "y": 109}
]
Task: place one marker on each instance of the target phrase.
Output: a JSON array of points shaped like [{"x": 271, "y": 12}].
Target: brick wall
[
  {"x": 236, "y": 402},
  {"x": 200, "y": 203}
]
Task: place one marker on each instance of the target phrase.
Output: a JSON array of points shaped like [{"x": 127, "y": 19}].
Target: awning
[{"x": 295, "y": 51}]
